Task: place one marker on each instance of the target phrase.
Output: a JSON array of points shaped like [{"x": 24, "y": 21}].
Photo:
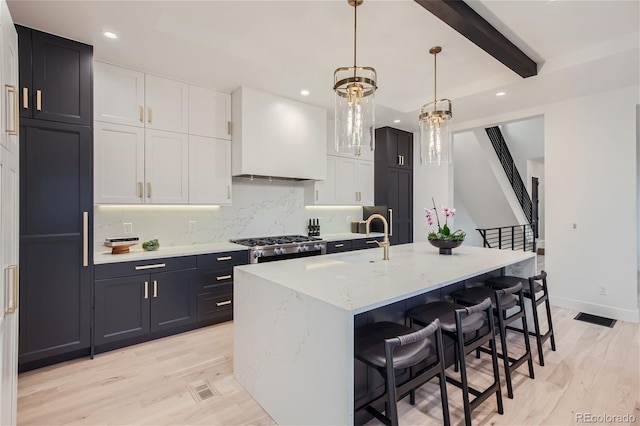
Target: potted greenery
[{"x": 444, "y": 239}]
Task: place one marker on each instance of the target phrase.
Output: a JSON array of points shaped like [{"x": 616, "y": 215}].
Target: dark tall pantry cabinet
[
  {"x": 394, "y": 181},
  {"x": 56, "y": 198}
]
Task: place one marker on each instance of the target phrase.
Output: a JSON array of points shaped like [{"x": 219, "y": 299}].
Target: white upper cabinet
[
  {"x": 118, "y": 95},
  {"x": 365, "y": 182},
  {"x": 118, "y": 173},
  {"x": 209, "y": 113},
  {"x": 166, "y": 104},
  {"x": 323, "y": 192},
  {"x": 9, "y": 103},
  {"x": 276, "y": 136},
  {"x": 209, "y": 171},
  {"x": 166, "y": 167}
]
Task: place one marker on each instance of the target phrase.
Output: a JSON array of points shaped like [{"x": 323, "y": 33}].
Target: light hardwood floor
[{"x": 595, "y": 370}]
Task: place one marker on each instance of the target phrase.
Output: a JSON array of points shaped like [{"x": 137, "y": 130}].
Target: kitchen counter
[
  {"x": 294, "y": 320},
  {"x": 137, "y": 253}
]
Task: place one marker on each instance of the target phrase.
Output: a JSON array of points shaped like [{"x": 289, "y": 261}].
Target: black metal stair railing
[
  {"x": 500, "y": 146},
  {"x": 516, "y": 237}
]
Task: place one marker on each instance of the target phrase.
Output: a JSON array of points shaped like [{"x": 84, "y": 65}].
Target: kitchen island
[{"x": 294, "y": 320}]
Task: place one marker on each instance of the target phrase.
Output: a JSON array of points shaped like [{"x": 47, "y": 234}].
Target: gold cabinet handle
[
  {"x": 85, "y": 238},
  {"x": 140, "y": 190},
  {"x": 229, "y": 128},
  {"x": 390, "y": 222},
  {"x": 14, "y": 107},
  {"x": 146, "y": 289},
  {"x": 14, "y": 289},
  {"x": 154, "y": 266},
  {"x": 25, "y": 97},
  {"x": 399, "y": 160},
  {"x": 339, "y": 245},
  {"x": 225, "y": 258},
  {"x": 317, "y": 195},
  {"x": 372, "y": 242},
  {"x": 226, "y": 302},
  {"x": 149, "y": 114},
  {"x": 39, "y": 100},
  {"x": 228, "y": 192},
  {"x": 223, "y": 277},
  {"x": 148, "y": 189},
  {"x": 141, "y": 113},
  {"x": 155, "y": 288}
]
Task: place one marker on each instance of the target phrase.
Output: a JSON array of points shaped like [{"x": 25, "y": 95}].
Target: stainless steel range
[{"x": 267, "y": 249}]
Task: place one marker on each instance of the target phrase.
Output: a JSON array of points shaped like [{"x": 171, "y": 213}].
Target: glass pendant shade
[
  {"x": 435, "y": 137},
  {"x": 354, "y": 107}
]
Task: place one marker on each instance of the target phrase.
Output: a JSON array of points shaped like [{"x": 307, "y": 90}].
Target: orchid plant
[{"x": 444, "y": 233}]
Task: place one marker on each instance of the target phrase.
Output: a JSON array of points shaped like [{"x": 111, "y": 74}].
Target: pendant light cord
[
  {"x": 355, "y": 34},
  {"x": 435, "y": 77}
]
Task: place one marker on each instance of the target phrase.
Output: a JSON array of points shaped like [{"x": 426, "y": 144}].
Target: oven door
[{"x": 274, "y": 257}]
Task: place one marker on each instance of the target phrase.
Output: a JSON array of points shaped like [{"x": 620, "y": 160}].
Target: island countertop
[{"x": 361, "y": 281}]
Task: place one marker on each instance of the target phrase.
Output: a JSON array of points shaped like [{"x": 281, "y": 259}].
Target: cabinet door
[
  {"x": 166, "y": 167},
  {"x": 400, "y": 201},
  {"x": 346, "y": 184},
  {"x": 166, "y": 104},
  {"x": 209, "y": 171},
  {"x": 56, "y": 207},
  {"x": 25, "y": 70},
  {"x": 173, "y": 299},
  {"x": 365, "y": 173},
  {"x": 9, "y": 281},
  {"x": 10, "y": 82},
  {"x": 119, "y": 163},
  {"x": 122, "y": 308},
  {"x": 325, "y": 190},
  {"x": 119, "y": 95},
  {"x": 61, "y": 77},
  {"x": 209, "y": 113}
]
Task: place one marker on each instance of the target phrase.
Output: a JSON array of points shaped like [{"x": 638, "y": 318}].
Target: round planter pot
[{"x": 445, "y": 246}]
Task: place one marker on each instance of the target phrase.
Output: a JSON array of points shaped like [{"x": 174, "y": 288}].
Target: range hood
[{"x": 276, "y": 137}]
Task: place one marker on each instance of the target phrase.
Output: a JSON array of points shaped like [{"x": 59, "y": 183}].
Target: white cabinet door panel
[
  {"x": 167, "y": 104},
  {"x": 118, "y": 95},
  {"x": 346, "y": 181},
  {"x": 118, "y": 163},
  {"x": 209, "y": 113},
  {"x": 365, "y": 183},
  {"x": 209, "y": 171},
  {"x": 10, "y": 85},
  {"x": 166, "y": 167}
]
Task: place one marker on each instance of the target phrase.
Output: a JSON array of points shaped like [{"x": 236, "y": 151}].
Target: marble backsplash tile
[{"x": 260, "y": 208}]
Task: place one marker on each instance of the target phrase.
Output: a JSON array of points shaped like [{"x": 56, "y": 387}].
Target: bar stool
[
  {"x": 501, "y": 301},
  {"x": 469, "y": 327},
  {"x": 537, "y": 291},
  {"x": 385, "y": 344}
]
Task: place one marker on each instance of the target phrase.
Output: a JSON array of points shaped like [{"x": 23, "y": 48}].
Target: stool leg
[
  {"x": 391, "y": 407},
  {"x": 463, "y": 381},
  {"x": 496, "y": 374},
  {"x": 536, "y": 326},
  {"x": 443, "y": 379},
  {"x": 548, "y": 306},
  {"x": 505, "y": 354},
  {"x": 525, "y": 334}
]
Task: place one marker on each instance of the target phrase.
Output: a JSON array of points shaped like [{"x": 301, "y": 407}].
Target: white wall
[
  {"x": 590, "y": 174},
  {"x": 525, "y": 140},
  {"x": 464, "y": 221},
  {"x": 260, "y": 208},
  {"x": 429, "y": 181}
]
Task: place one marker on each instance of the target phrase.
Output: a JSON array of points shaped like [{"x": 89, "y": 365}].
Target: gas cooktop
[
  {"x": 266, "y": 249},
  {"x": 272, "y": 241}
]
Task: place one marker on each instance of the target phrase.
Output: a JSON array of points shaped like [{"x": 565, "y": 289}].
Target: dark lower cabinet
[
  {"x": 394, "y": 181},
  {"x": 56, "y": 211},
  {"x": 365, "y": 243},
  {"x": 338, "y": 246},
  {"x": 215, "y": 285},
  {"x": 144, "y": 305}
]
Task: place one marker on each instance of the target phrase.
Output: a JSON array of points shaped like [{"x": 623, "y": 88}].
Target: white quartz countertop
[
  {"x": 136, "y": 253},
  {"x": 349, "y": 236},
  {"x": 359, "y": 281}
]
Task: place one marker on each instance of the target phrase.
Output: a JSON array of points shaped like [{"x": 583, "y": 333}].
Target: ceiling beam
[{"x": 462, "y": 18}]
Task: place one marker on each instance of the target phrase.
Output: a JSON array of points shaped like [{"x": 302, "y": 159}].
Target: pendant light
[
  {"x": 355, "y": 89},
  {"x": 435, "y": 138}
]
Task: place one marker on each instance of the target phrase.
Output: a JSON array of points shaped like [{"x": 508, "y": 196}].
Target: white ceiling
[{"x": 581, "y": 47}]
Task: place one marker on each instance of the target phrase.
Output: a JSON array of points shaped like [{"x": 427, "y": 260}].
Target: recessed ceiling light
[
  {"x": 109, "y": 34},
  {"x": 396, "y": 121},
  {"x": 501, "y": 93},
  {"x": 304, "y": 92}
]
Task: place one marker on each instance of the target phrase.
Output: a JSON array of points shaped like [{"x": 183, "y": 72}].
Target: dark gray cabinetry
[
  {"x": 56, "y": 198},
  {"x": 394, "y": 180},
  {"x": 55, "y": 78},
  {"x": 136, "y": 301},
  {"x": 338, "y": 246},
  {"x": 215, "y": 285}
]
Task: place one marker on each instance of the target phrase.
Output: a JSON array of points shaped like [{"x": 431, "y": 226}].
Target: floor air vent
[
  {"x": 594, "y": 319},
  {"x": 202, "y": 390}
]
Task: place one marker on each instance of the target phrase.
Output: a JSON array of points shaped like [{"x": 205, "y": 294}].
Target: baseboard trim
[{"x": 628, "y": 315}]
